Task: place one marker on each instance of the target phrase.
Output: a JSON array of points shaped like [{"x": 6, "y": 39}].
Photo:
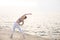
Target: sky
[{"x": 42, "y": 10}]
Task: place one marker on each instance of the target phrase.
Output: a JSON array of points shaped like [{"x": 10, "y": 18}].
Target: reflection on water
[{"x": 49, "y": 30}]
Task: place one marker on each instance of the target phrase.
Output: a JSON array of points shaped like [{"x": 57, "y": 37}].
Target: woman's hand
[{"x": 28, "y": 14}]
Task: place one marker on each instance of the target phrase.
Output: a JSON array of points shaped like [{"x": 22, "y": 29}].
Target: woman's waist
[{"x": 16, "y": 23}]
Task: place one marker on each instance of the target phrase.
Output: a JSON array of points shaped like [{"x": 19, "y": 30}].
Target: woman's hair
[{"x": 25, "y": 17}]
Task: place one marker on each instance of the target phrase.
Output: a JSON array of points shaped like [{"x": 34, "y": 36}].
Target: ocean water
[{"x": 50, "y": 30}]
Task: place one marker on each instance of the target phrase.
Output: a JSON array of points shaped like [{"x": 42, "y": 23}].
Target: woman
[{"x": 17, "y": 24}]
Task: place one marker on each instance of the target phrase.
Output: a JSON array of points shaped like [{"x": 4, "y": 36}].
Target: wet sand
[{"x": 5, "y": 35}]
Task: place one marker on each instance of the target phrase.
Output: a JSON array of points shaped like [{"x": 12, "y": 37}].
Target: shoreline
[{"x": 5, "y": 35}]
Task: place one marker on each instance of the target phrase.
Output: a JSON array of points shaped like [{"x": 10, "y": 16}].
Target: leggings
[{"x": 16, "y": 25}]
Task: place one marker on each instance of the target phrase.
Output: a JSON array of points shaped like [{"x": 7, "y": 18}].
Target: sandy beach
[{"x": 5, "y": 35}]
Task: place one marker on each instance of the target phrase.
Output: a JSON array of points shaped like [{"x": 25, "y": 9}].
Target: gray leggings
[{"x": 16, "y": 25}]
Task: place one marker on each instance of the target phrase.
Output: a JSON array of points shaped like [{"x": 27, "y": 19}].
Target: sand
[{"x": 5, "y": 35}]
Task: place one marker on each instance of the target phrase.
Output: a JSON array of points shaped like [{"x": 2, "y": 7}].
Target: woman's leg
[
  {"x": 13, "y": 30},
  {"x": 20, "y": 30}
]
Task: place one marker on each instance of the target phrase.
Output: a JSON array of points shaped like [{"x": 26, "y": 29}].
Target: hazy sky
[{"x": 11, "y": 10}]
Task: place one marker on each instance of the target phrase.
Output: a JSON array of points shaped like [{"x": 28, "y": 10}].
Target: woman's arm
[
  {"x": 22, "y": 23},
  {"x": 25, "y": 15},
  {"x": 28, "y": 14}
]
